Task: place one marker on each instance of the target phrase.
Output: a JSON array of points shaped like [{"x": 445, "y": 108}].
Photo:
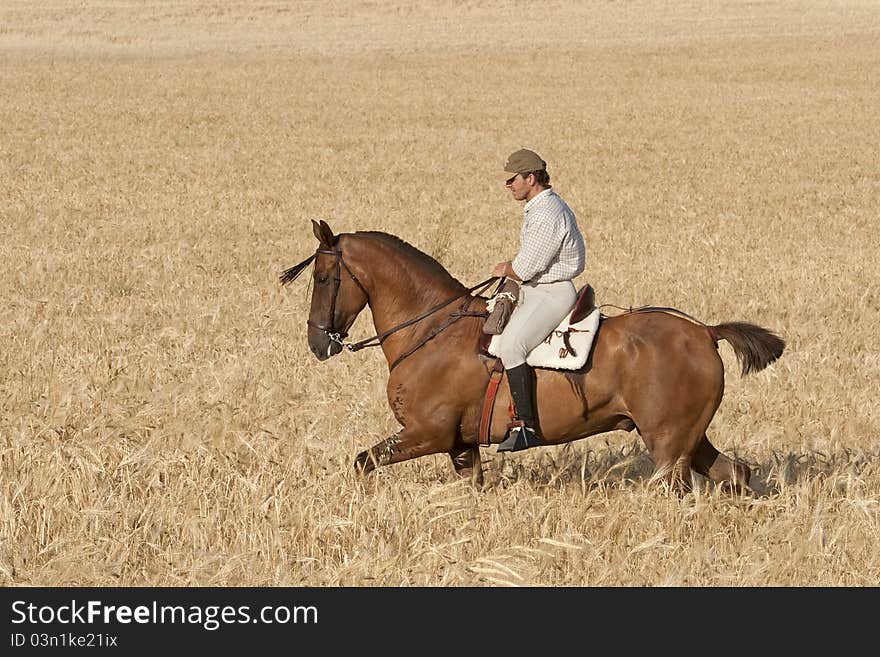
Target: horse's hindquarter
[{"x": 643, "y": 367}]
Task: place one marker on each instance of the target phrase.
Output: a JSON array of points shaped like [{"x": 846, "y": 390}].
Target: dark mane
[{"x": 429, "y": 264}]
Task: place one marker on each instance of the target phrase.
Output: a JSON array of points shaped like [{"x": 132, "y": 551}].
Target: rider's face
[{"x": 519, "y": 187}]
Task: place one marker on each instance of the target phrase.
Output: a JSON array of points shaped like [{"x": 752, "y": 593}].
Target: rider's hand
[{"x": 500, "y": 269}]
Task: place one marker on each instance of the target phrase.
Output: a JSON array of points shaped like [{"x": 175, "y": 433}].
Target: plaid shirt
[{"x": 551, "y": 245}]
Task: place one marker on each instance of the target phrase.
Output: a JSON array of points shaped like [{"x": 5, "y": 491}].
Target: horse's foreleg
[
  {"x": 467, "y": 463},
  {"x": 404, "y": 445},
  {"x": 379, "y": 454}
]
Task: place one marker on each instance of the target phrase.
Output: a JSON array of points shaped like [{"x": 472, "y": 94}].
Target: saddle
[{"x": 567, "y": 347}]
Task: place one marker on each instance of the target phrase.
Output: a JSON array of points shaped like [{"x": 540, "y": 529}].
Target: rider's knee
[{"x": 512, "y": 353}]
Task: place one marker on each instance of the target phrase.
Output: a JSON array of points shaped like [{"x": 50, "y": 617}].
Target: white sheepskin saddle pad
[{"x": 554, "y": 353}]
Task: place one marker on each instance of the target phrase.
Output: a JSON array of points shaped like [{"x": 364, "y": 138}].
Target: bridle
[
  {"x": 328, "y": 330},
  {"x": 336, "y": 336}
]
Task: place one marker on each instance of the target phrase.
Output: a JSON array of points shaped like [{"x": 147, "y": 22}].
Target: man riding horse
[
  {"x": 551, "y": 254},
  {"x": 652, "y": 369}
]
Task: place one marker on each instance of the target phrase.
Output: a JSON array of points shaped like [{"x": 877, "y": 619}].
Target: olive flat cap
[{"x": 523, "y": 161}]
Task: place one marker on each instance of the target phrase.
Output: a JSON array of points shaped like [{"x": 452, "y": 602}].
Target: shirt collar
[{"x": 535, "y": 198}]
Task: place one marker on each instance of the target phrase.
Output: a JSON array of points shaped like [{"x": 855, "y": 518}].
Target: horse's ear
[
  {"x": 328, "y": 233},
  {"x": 316, "y": 229},
  {"x": 323, "y": 233}
]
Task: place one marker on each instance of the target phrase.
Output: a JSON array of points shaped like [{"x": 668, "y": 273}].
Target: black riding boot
[{"x": 520, "y": 380}]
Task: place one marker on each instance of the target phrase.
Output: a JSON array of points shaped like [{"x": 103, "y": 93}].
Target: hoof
[{"x": 363, "y": 463}]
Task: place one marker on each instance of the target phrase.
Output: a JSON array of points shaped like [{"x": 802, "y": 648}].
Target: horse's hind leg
[
  {"x": 721, "y": 469},
  {"x": 467, "y": 463},
  {"x": 673, "y": 416},
  {"x": 673, "y": 446},
  {"x": 672, "y": 462}
]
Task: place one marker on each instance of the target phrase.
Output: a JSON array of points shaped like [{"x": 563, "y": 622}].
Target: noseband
[{"x": 328, "y": 329}]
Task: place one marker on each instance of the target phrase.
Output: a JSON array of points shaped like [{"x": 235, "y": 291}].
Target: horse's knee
[
  {"x": 404, "y": 445},
  {"x": 382, "y": 453}
]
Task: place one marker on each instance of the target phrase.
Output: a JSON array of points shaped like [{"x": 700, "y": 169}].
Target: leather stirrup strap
[{"x": 495, "y": 377}]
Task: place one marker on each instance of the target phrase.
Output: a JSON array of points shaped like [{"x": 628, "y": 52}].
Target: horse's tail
[{"x": 755, "y": 347}]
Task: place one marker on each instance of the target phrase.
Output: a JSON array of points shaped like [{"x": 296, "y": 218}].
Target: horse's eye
[{"x": 322, "y": 279}]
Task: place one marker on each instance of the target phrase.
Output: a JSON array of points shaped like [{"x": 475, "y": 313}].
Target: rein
[
  {"x": 377, "y": 339},
  {"x": 384, "y": 334}
]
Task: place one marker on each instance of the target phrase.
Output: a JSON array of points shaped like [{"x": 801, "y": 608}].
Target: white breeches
[{"x": 540, "y": 309}]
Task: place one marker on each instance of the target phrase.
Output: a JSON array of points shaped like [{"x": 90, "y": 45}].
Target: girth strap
[{"x": 495, "y": 377}]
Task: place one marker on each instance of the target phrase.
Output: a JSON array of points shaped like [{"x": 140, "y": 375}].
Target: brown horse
[{"x": 655, "y": 372}]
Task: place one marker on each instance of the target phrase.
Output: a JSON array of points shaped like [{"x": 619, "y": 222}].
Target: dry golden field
[{"x": 162, "y": 421}]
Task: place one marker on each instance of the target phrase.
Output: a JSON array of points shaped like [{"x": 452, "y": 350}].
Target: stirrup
[{"x": 519, "y": 438}]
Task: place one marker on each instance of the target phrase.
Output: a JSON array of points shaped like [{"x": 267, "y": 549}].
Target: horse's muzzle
[{"x": 322, "y": 345}]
